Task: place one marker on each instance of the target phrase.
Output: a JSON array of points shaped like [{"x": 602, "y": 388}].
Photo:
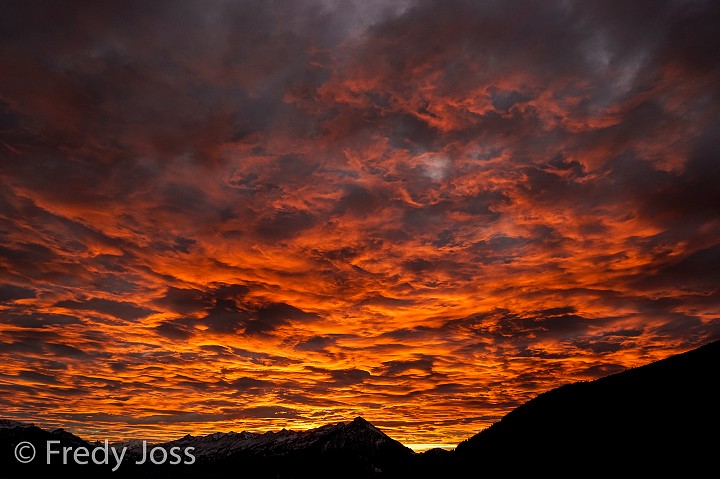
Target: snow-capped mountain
[{"x": 358, "y": 435}]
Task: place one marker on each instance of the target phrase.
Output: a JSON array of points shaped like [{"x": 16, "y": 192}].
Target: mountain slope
[{"x": 657, "y": 417}]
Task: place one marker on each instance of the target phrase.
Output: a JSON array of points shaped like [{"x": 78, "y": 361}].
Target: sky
[{"x": 250, "y": 215}]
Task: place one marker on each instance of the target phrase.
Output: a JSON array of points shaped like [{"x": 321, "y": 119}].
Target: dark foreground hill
[{"x": 657, "y": 418}]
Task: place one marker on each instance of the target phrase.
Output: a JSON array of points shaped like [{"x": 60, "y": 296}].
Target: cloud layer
[{"x": 256, "y": 215}]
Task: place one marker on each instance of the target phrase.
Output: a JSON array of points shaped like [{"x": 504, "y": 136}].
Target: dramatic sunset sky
[{"x": 228, "y": 215}]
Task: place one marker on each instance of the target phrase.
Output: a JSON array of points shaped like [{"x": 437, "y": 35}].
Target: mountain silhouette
[
  {"x": 358, "y": 435},
  {"x": 656, "y": 419},
  {"x": 661, "y": 417},
  {"x": 354, "y": 449}
]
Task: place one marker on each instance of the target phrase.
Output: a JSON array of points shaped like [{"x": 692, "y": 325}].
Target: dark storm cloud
[
  {"x": 38, "y": 320},
  {"x": 274, "y": 315},
  {"x": 348, "y": 377},
  {"x": 69, "y": 351},
  {"x": 409, "y": 334},
  {"x": 384, "y": 301},
  {"x": 36, "y": 377},
  {"x": 227, "y": 311},
  {"x": 563, "y": 325},
  {"x": 506, "y": 99},
  {"x": 176, "y": 329},
  {"x": 10, "y": 292},
  {"x": 225, "y": 317},
  {"x": 315, "y": 343},
  {"x": 393, "y": 368},
  {"x": 17, "y": 388},
  {"x": 119, "y": 309},
  {"x": 284, "y": 224},
  {"x": 695, "y": 271},
  {"x": 690, "y": 198},
  {"x": 40, "y": 343},
  {"x": 498, "y": 249},
  {"x": 250, "y": 385},
  {"x": 332, "y": 378},
  {"x": 182, "y": 300},
  {"x": 229, "y": 315},
  {"x": 28, "y": 258},
  {"x": 358, "y": 200},
  {"x": 228, "y": 291}
]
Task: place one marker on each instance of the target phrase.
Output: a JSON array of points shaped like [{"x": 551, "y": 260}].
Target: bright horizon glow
[{"x": 426, "y": 447}]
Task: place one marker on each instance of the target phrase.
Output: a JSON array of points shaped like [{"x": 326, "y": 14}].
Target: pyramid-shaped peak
[
  {"x": 360, "y": 422},
  {"x": 360, "y": 425},
  {"x": 359, "y": 436}
]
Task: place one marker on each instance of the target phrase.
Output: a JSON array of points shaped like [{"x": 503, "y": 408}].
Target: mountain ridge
[{"x": 357, "y": 445}]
